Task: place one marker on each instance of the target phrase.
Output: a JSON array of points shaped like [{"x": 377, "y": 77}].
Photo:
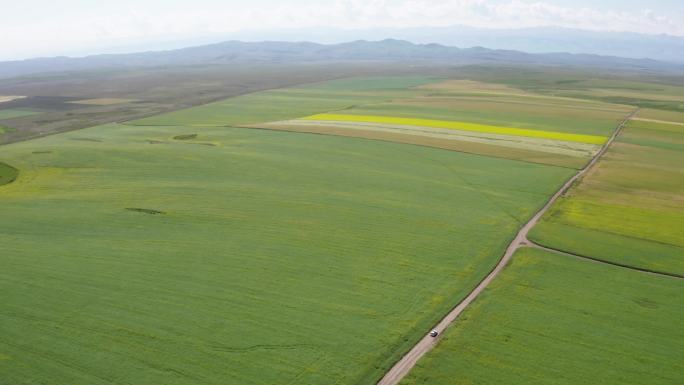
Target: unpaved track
[
  {"x": 401, "y": 368},
  {"x": 658, "y": 121}
]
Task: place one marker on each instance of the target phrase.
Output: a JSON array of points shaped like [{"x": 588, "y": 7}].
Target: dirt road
[
  {"x": 401, "y": 368},
  {"x": 658, "y": 121}
]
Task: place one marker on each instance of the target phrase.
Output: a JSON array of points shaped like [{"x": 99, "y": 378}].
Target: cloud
[{"x": 88, "y": 31}]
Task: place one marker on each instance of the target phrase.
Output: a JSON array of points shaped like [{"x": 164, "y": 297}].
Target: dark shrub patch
[
  {"x": 185, "y": 137},
  {"x": 145, "y": 211}
]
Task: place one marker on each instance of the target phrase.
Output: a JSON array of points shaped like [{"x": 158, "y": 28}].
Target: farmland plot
[
  {"x": 185, "y": 248},
  {"x": 630, "y": 210},
  {"x": 15, "y": 113},
  {"x": 453, "y": 115},
  {"x": 555, "y": 318},
  {"x": 184, "y": 254},
  {"x": 551, "y": 319}
]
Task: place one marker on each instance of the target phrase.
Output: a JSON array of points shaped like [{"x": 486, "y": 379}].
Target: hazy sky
[{"x": 30, "y": 28}]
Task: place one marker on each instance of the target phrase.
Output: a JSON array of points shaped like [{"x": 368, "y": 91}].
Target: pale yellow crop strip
[{"x": 463, "y": 126}]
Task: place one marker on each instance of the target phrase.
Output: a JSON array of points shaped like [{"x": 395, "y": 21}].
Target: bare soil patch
[
  {"x": 9, "y": 98},
  {"x": 102, "y": 101}
]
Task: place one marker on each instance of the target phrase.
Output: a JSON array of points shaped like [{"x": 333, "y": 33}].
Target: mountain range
[
  {"x": 533, "y": 40},
  {"x": 270, "y": 52}
]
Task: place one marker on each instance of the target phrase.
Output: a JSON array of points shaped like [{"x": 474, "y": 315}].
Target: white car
[{"x": 434, "y": 333}]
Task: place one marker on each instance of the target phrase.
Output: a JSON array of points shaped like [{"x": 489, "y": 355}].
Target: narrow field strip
[
  {"x": 102, "y": 101},
  {"x": 15, "y": 113},
  {"x": 605, "y": 262},
  {"x": 463, "y": 126},
  {"x": 514, "y": 101},
  {"x": 470, "y": 147},
  {"x": 574, "y": 149}
]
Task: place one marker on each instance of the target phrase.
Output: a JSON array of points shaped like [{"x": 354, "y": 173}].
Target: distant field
[
  {"x": 462, "y": 126},
  {"x": 13, "y": 113},
  {"x": 153, "y": 91},
  {"x": 551, "y": 319},
  {"x": 467, "y": 144},
  {"x": 630, "y": 210},
  {"x": 4, "y": 129},
  {"x": 185, "y": 254},
  {"x": 659, "y": 94},
  {"x": 499, "y": 105},
  {"x": 102, "y": 101},
  {"x": 668, "y": 116},
  {"x": 520, "y": 110},
  {"x": 289, "y": 103},
  {"x": 672, "y": 117},
  {"x": 425, "y": 115}
]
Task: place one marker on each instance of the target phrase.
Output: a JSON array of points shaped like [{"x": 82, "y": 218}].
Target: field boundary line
[
  {"x": 664, "y": 274},
  {"x": 427, "y": 343}
]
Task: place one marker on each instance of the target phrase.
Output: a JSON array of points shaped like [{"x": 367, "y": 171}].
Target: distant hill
[
  {"x": 236, "y": 52},
  {"x": 532, "y": 40}
]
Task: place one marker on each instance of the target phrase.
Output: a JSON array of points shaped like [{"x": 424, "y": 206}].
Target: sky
[{"x": 32, "y": 28}]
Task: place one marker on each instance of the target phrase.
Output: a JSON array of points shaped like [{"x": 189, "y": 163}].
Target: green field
[
  {"x": 669, "y": 116},
  {"x": 551, "y": 319},
  {"x": 629, "y": 210},
  {"x": 647, "y": 95},
  {"x": 481, "y": 118},
  {"x": 14, "y": 113},
  {"x": 4, "y": 129},
  {"x": 459, "y": 103},
  {"x": 7, "y": 174},
  {"x": 290, "y": 103},
  {"x": 654, "y": 93},
  {"x": 213, "y": 245},
  {"x": 181, "y": 254}
]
